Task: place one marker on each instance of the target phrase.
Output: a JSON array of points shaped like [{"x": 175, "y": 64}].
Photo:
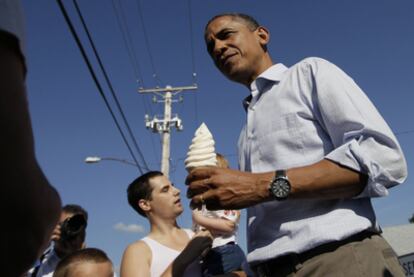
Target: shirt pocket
[{"x": 281, "y": 140}]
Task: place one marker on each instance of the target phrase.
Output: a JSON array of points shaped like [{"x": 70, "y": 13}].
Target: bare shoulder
[
  {"x": 136, "y": 260},
  {"x": 138, "y": 248}
]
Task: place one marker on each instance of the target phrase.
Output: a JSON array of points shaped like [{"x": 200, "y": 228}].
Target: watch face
[{"x": 280, "y": 188}]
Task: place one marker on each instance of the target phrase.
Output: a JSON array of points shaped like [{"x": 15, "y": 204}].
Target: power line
[
  {"x": 79, "y": 44},
  {"x": 190, "y": 18},
  {"x": 129, "y": 45},
  {"x": 147, "y": 44},
  {"x": 110, "y": 84}
]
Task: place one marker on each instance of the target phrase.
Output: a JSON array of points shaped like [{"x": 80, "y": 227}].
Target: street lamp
[{"x": 93, "y": 160}]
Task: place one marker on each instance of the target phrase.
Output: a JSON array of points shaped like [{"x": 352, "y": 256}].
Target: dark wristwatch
[{"x": 280, "y": 185}]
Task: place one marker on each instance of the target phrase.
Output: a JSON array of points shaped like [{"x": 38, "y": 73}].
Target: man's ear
[
  {"x": 144, "y": 205},
  {"x": 264, "y": 35}
]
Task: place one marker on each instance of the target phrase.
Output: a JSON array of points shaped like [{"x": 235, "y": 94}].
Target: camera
[{"x": 72, "y": 227}]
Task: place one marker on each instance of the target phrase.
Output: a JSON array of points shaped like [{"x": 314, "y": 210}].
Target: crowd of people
[{"x": 313, "y": 152}]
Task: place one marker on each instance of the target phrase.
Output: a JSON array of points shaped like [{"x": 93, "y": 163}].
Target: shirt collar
[{"x": 272, "y": 74}]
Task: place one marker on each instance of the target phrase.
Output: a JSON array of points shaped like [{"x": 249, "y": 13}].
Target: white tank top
[{"x": 163, "y": 256}]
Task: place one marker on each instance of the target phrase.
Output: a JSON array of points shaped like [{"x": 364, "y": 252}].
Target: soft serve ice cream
[{"x": 201, "y": 151}]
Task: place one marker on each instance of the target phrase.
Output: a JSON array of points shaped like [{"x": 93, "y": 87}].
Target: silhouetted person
[{"x": 31, "y": 206}]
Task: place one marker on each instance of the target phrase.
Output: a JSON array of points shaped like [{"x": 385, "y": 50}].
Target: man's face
[
  {"x": 165, "y": 200},
  {"x": 91, "y": 269},
  {"x": 65, "y": 247},
  {"x": 236, "y": 50}
]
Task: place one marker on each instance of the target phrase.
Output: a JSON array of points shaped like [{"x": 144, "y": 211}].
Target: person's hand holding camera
[{"x": 56, "y": 233}]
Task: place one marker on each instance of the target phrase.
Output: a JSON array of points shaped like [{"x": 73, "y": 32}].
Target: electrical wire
[
  {"x": 82, "y": 50},
  {"x": 147, "y": 44},
  {"x": 95, "y": 51},
  {"x": 129, "y": 45},
  {"x": 190, "y": 18}
]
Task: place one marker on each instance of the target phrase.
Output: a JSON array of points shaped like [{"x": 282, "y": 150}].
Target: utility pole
[{"x": 163, "y": 125}]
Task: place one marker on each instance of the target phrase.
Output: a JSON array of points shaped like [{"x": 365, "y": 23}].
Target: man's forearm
[
  {"x": 220, "y": 188},
  {"x": 324, "y": 180}
]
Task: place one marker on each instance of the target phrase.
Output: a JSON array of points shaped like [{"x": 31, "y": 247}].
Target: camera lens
[{"x": 73, "y": 226}]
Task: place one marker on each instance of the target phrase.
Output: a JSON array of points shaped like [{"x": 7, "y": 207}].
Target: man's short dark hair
[
  {"x": 249, "y": 21},
  {"x": 141, "y": 188},
  {"x": 87, "y": 255},
  {"x": 75, "y": 209}
]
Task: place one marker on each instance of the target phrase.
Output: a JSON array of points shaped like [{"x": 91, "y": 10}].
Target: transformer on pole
[{"x": 163, "y": 125}]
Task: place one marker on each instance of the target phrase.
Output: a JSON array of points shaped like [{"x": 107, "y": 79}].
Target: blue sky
[{"x": 370, "y": 40}]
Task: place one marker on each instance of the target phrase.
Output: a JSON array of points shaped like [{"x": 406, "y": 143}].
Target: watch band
[{"x": 280, "y": 174}]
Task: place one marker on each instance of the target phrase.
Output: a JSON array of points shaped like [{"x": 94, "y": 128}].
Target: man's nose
[{"x": 219, "y": 48}]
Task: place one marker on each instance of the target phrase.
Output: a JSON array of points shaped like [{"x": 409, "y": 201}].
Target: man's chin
[
  {"x": 234, "y": 74},
  {"x": 236, "y": 77},
  {"x": 180, "y": 211}
]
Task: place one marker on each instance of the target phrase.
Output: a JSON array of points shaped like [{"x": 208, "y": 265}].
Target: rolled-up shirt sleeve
[{"x": 361, "y": 138}]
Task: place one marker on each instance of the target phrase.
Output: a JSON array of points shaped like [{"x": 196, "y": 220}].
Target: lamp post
[{"x": 93, "y": 160}]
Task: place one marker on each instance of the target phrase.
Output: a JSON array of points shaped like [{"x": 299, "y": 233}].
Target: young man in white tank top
[{"x": 167, "y": 246}]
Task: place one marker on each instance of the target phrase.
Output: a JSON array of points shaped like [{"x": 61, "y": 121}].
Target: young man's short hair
[
  {"x": 141, "y": 188},
  {"x": 87, "y": 255}
]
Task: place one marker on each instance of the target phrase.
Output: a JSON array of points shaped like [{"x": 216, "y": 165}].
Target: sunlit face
[
  {"x": 91, "y": 269},
  {"x": 237, "y": 51},
  {"x": 165, "y": 198}
]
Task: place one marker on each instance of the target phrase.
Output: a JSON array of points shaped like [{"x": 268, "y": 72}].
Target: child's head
[
  {"x": 221, "y": 161},
  {"x": 85, "y": 263}
]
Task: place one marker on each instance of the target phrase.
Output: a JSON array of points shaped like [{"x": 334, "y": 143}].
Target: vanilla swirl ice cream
[{"x": 201, "y": 151}]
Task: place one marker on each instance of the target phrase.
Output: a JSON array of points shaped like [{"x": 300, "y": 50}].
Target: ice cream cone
[{"x": 201, "y": 151}]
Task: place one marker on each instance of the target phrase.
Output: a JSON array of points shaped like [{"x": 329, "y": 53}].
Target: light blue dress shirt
[
  {"x": 47, "y": 265},
  {"x": 298, "y": 116}
]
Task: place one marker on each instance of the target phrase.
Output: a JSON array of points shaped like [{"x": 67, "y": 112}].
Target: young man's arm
[
  {"x": 31, "y": 205},
  {"x": 136, "y": 261}
]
